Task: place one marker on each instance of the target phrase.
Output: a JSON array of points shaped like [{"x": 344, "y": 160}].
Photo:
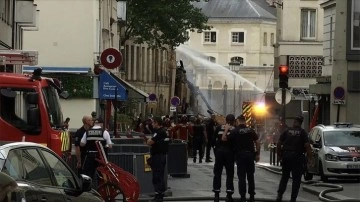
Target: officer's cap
[{"x": 300, "y": 119}]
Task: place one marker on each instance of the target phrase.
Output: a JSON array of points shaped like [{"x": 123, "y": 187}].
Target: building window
[
  {"x": 210, "y": 37},
  {"x": 353, "y": 31},
  {"x": 355, "y": 25},
  {"x": 237, "y": 60},
  {"x": 308, "y": 23},
  {"x": 265, "y": 39},
  {"x": 272, "y": 39},
  {"x": 237, "y": 37},
  {"x": 212, "y": 59}
]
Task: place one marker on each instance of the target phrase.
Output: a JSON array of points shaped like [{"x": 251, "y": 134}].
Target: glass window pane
[
  {"x": 304, "y": 22},
  {"x": 241, "y": 37},
  {"x": 13, "y": 165},
  {"x": 355, "y": 25},
  {"x": 235, "y": 37},
  {"x": 34, "y": 168},
  {"x": 63, "y": 175},
  {"x": 206, "y": 36},
  {"x": 312, "y": 23},
  {"x": 213, "y": 36}
]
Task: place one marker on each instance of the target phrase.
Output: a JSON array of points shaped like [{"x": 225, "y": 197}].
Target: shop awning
[
  {"x": 110, "y": 87},
  {"x": 133, "y": 92},
  {"x": 75, "y": 70}
]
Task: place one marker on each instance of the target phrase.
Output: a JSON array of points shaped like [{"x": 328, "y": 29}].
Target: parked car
[
  {"x": 41, "y": 175},
  {"x": 336, "y": 151}
]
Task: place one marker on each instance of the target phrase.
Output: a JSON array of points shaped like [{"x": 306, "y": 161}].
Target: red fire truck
[{"x": 29, "y": 105}]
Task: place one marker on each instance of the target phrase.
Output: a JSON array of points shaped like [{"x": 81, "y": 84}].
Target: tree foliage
[{"x": 162, "y": 22}]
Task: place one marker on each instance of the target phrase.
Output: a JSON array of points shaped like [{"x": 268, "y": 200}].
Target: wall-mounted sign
[
  {"x": 111, "y": 58},
  {"x": 109, "y": 86}
]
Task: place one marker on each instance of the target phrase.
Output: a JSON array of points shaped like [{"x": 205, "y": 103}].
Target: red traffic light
[
  {"x": 283, "y": 70},
  {"x": 283, "y": 76}
]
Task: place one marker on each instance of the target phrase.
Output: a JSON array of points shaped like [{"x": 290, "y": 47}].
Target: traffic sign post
[
  {"x": 283, "y": 97},
  {"x": 339, "y": 95},
  {"x": 175, "y": 101},
  {"x": 111, "y": 58}
]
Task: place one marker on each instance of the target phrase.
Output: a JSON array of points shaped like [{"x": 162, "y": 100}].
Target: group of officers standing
[
  {"x": 237, "y": 143},
  {"x": 233, "y": 142}
]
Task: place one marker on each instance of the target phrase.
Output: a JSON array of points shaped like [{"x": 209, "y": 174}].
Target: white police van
[{"x": 336, "y": 151}]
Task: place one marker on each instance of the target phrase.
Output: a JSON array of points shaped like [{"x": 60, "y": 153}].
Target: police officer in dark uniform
[
  {"x": 96, "y": 133},
  {"x": 224, "y": 157},
  {"x": 210, "y": 133},
  {"x": 291, "y": 147},
  {"x": 159, "y": 148},
  {"x": 244, "y": 140}
]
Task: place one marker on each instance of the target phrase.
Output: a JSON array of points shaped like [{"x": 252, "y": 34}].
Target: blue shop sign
[{"x": 109, "y": 86}]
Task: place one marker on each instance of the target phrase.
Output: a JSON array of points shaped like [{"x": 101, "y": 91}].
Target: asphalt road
[
  {"x": 351, "y": 186},
  {"x": 200, "y": 184}
]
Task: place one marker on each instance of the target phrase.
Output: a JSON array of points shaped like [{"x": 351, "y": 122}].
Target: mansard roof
[{"x": 236, "y": 9}]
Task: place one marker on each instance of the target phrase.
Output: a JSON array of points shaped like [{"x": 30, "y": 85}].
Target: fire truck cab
[{"x": 30, "y": 110}]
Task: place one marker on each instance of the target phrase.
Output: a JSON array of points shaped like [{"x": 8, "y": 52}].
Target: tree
[{"x": 162, "y": 23}]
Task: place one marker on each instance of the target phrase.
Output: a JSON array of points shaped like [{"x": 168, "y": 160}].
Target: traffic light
[{"x": 283, "y": 76}]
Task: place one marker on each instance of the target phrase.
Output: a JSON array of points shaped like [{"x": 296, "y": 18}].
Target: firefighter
[
  {"x": 210, "y": 133},
  {"x": 243, "y": 140},
  {"x": 183, "y": 131},
  {"x": 224, "y": 157},
  {"x": 96, "y": 133},
  {"x": 159, "y": 148},
  {"x": 291, "y": 146},
  {"x": 198, "y": 139}
]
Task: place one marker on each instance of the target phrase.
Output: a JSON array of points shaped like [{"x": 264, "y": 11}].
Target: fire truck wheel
[{"x": 111, "y": 192}]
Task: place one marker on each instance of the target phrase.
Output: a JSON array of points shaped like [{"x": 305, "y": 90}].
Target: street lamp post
[
  {"x": 234, "y": 66},
  {"x": 240, "y": 96},
  {"x": 209, "y": 92},
  {"x": 225, "y": 99}
]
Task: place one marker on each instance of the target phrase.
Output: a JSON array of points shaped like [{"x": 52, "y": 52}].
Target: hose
[
  {"x": 322, "y": 194},
  {"x": 209, "y": 198}
]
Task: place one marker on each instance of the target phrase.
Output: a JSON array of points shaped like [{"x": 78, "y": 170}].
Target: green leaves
[
  {"x": 162, "y": 22},
  {"x": 78, "y": 86}
]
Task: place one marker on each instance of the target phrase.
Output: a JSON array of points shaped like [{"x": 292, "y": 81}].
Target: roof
[
  {"x": 50, "y": 69},
  {"x": 340, "y": 127},
  {"x": 230, "y": 9}
]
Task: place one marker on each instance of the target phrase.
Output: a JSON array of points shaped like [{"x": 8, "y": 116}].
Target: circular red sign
[{"x": 111, "y": 58}]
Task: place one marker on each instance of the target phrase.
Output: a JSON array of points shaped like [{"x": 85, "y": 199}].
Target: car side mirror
[{"x": 86, "y": 183}]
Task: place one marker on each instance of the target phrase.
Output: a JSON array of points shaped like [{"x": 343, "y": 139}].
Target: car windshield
[
  {"x": 342, "y": 138},
  {"x": 53, "y": 106}
]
